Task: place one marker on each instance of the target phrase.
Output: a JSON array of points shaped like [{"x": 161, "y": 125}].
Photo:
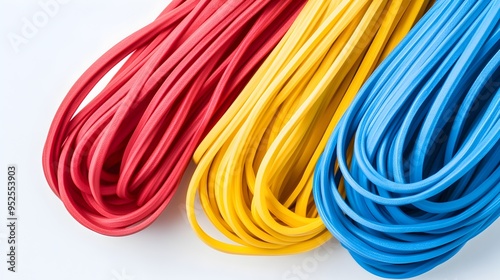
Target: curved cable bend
[
  {"x": 424, "y": 132},
  {"x": 117, "y": 161},
  {"x": 254, "y": 173}
]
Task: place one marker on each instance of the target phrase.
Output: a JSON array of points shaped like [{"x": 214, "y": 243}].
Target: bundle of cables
[
  {"x": 116, "y": 162},
  {"x": 412, "y": 171},
  {"x": 254, "y": 173}
]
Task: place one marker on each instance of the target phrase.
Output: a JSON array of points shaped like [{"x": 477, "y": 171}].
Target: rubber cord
[
  {"x": 116, "y": 162},
  {"x": 254, "y": 173},
  {"x": 418, "y": 151}
]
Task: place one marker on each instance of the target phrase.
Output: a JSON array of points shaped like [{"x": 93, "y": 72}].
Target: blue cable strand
[{"x": 424, "y": 177}]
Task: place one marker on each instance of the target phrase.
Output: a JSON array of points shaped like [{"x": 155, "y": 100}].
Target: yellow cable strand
[{"x": 255, "y": 167}]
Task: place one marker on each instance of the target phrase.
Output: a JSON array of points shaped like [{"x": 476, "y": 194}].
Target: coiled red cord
[{"x": 117, "y": 162}]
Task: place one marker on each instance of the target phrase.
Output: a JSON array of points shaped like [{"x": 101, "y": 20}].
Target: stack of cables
[
  {"x": 254, "y": 173},
  {"x": 412, "y": 171},
  {"x": 116, "y": 162}
]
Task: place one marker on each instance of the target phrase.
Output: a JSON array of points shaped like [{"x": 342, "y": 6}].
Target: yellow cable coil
[{"x": 255, "y": 167}]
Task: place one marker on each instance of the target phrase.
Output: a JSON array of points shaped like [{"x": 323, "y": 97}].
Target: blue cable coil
[{"x": 424, "y": 175}]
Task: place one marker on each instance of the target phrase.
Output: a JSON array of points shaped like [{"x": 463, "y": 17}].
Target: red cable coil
[{"x": 117, "y": 162}]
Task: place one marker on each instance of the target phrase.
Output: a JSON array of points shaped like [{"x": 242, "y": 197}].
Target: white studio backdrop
[{"x": 45, "y": 46}]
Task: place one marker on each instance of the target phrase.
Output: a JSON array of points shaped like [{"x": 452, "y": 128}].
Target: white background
[{"x": 34, "y": 79}]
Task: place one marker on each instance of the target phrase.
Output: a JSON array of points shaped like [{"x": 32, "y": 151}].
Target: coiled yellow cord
[{"x": 254, "y": 173}]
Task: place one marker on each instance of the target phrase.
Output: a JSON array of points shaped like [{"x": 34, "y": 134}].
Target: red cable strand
[{"x": 117, "y": 162}]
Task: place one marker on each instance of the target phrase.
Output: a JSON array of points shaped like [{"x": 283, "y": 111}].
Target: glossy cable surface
[
  {"x": 116, "y": 162},
  {"x": 417, "y": 154},
  {"x": 254, "y": 173}
]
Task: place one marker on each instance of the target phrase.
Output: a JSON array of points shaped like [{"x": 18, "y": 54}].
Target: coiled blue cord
[{"x": 424, "y": 177}]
